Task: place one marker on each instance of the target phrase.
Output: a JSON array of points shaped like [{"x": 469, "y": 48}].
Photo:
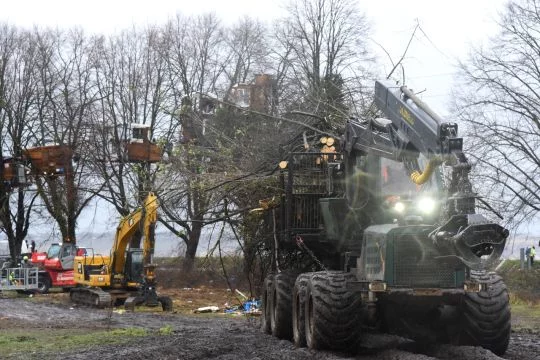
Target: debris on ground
[
  {"x": 251, "y": 307},
  {"x": 206, "y": 309}
]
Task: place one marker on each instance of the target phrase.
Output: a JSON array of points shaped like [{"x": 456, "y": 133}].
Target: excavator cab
[{"x": 134, "y": 265}]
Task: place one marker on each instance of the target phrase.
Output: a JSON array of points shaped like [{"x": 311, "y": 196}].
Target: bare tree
[
  {"x": 18, "y": 92},
  {"x": 325, "y": 45},
  {"x": 195, "y": 63},
  {"x": 247, "y": 52},
  {"x": 500, "y": 107},
  {"x": 133, "y": 87},
  {"x": 66, "y": 85}
]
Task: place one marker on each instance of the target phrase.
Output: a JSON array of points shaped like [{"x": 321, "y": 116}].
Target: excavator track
[{"x": 94, "y": 297}]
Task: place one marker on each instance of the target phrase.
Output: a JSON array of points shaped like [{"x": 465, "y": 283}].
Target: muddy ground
[{"x": 218, "y": 337}]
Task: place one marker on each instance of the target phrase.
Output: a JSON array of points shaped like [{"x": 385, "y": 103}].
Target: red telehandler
[{"x": 56, "y": 266}]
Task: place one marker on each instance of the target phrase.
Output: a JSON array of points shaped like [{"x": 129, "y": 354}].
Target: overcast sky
[{"x": 449, "y": 27}]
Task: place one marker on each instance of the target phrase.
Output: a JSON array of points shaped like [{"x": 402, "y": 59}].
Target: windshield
[
  {"x": 396, "y": 181},
  {"x": 54, "y": 251}
]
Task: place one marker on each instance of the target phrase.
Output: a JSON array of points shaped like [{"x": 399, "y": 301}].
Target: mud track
[{"x": 219, "y": 337}]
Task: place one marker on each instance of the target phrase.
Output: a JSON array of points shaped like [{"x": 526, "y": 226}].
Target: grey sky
[{"x": 449, "y": 27}]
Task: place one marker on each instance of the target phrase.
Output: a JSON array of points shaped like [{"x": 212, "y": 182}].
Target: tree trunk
[{"x": 191, "y": 246}]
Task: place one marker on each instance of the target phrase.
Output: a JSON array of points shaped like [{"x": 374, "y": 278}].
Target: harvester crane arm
[{"x": 410, "y": 129}]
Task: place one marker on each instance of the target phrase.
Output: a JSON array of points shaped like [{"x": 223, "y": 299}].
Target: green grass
[
  {"x": 524, "y": 285},
  {"x": 524, "y": 289},
  {"x": 166, "y": 330},
  {"x": 526, "y": 310},
  {"x": 21, "y": 343},
  {"x": 526, "y": 317}
]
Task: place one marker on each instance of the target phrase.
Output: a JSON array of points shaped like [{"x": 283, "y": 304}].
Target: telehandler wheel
[
  {"x": 332, "y": 312},
  {"x": 266, "y": 306},
  {"x": 485, "y": 316},
  {"x": 44, "y": 284},
  {"x": 298, "y": 310},
  {"x": 281, "y": 305}
]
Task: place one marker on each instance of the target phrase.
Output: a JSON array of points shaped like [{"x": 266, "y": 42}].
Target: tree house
[
  {"x": 49, "y": 160},
  {"x": 139, "y": 147},
  {"x": 14, "y": 172}
]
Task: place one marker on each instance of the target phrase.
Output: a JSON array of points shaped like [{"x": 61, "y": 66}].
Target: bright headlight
[
  {"x": 399, "y": 207},
  {"x": 426, "y": 205}
]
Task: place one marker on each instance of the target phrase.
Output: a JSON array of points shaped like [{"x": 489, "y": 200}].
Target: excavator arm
[{"x": 143, "y": 220}]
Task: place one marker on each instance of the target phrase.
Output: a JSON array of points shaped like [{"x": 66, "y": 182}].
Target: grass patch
[
  {"x": 526, "y": 317},
  {"x": 526, "y": 310},
  {"x": 524, "y": 285},
  {"x": 166, "y": 330},
  {"x": 22, "y": 343}
]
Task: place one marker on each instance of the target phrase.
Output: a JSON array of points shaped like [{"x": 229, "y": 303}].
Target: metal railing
[{"x": 19, "y": 278}]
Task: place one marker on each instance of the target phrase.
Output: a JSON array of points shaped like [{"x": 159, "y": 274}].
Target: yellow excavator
[{"x": 127, "y": 276}]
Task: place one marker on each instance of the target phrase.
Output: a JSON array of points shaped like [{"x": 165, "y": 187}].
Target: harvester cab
[{"x": 416, "y": 164}]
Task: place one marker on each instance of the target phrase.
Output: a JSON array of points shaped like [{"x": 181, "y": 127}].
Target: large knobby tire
[
  {"x": 281, "y": 305},
  {"x": 485, "y": 316},
  {"x": 265, "y": 304},
  {"x": 332, "y": 312},
  {"x": 44, "y": 283},
  {"x": 298, "y": 310}
]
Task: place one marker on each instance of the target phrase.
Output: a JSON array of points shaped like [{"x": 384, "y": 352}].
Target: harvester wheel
[
  {"x": 281, "y": 304},
  {"x": 266, "y": 306},
  {"x": 332, "y": 312},
  {"x": 485, "y": 316},
  {"x": 44, "y": 284},
  {"x": 298, "y": 310}
]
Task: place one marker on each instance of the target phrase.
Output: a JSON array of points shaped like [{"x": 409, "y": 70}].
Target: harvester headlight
[
  {"x": 399, "y": 207},
  {"x": 426, "y": 205}
]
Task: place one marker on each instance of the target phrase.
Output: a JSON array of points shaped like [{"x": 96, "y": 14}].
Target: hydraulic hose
[{"x": 420, "y": 178}]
